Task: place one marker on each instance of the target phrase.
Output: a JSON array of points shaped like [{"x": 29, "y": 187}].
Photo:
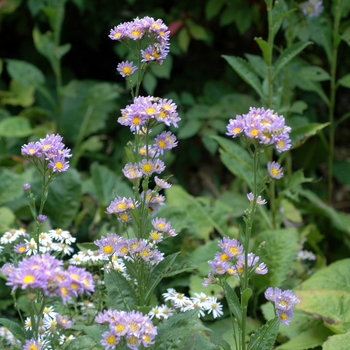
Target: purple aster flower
[
  {"x": 161, "y": 183},
  {"x": 63, "y": 321},
  {"x": 235, "y": 126},
  {"x": 132, "y": 171},
  {"x": 275, "y": 170},
  {"x": 230, "y": 246},
  {"x": 107, "y": 245},
  {"x": 118, "y": 32},
  {"x": 312, "y": 8},
  {"x": 109, "y": 340},
  {"x": 219, "y": 267},
  {"x": 126, "y": 68},
  {"x": 283, "y": 315},
  {"x": 286, "y": 300},
  {"x": 119, "y": 205},
  {"x": 32, "y": 149},
  {"x": 32, "y": 344},
  {"x": 58, "y": 163},
  {"x": 42, "y": 218},
  {"x": 165, "y": 140},
  {"x": 20, "y": 248},
  {"x": 259, "y": 200},
  {"x": 146, "y": 166},
  {"x": 159, "y": 166}
]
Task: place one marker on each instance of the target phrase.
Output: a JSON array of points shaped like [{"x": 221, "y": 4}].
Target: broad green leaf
[
  {"x": 288, "y": 54},
  {"x": 196, "y": 31},
  {"x": 63, "y": 201},
  {"x": 345, "y": 81},
  {"x": 120, "y": 291},
  {"x": 15, "y": 127},
  {"x": 290, "y": 212},
  {"x": 233, "y": 302},
  {"x": 335, "y": 276},
  {"x": 328, "y": 304},
  {"x": 163, "y": 70},
  {"x": 202, "y": 254},
  {"x": 264, "y": 338},
  {"x": 19, "y": 95},
  {"x": 301, "y": 134},
  {"x": 82, "y": 342},
  {"x": 338, "y": 342},
  {"x": 14, "y": 328},
  {"x": 159, "y": 272},
  {"x": 314, "y": 73},
  {"x": 314, "y": 86},
  {"x": 297, "y": 179},
  {"x": 149, "y": 83},
  {"x": 26, "y": 73},
  {"x": 189, "y": 129},
  {"x": 259, "y": 67},
  {"x": 45, "y": 44},
  {"x": 308, "y": 339},
  {"x": 281, "y": 249},
  {"x": 341, "y": 170},
  {"x": 7, "y": 219},
  {"x": 11, "y": 185},
  {"x": 246, "y": 72},
  {"x": 94, "y": 331},
  {"x": 340, "y": 220},
  {"x": 213, "y": 7},
  {"x": 108, "y": 185},
  {"x": 346, "y": 36},
  {"x": 180, "y": 265}
]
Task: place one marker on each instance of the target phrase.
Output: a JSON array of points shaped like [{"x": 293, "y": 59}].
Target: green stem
[
  {"x": 270, "y": 40},
  {"x": 333, "y": 90}
]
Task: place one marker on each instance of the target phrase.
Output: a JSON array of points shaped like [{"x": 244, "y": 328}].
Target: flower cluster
[
  {"x": 231, "y": 261},
  {"x": 266, "y": 126},
  {"x": 283, "y": 302},
  {"x": 55, "y": 241},
  {"x": 157, "y": 33},
  {"x": 46, "y": 273},
  {"x": 50, "y": 150},
  {"x": 312, "y": 8},
  {"x": 113, "y": 246},
  {"x": 146, "y": 111},
  {"x": 133, "y": 327},
  {"x": 181, "y": 303}
]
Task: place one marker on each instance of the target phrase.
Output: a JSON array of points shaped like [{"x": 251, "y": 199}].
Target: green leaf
[
  {"x": 180, "y": 265},
  {"x": 314, "y": 86},
  {"x": 82, "y": 342},
  {"x": 196, "y": 31},
  {"x": 204, "y": 343},
  {"x": 237, "y": 160},
  {"x": 339, "y": 219},
  {"x": 328, "y": 304},
  {"x": 94, "y": 331},
  {"x": 14, "y": 328},
  {"x": 45, "y": 44},
  {"x": 281, "y": 249},
  {"x": 7, "y": 219},
  {"x": 302, "y": 133},
  {"x": 19, "y": 95},
  {"x": 149, "y": 83},
  {"x": 345, "y": 81},
  {"x": 63, "y": 201},
  {"x": 314, "y": 73},
  {"x": 15, "y": 127},
  {"x": 265, "y": 49},
  {"x": 246, "y": 72},
  {"x": 297, "y": 179},
  {"x": 184, "y": 39},
  {"x": 233, "y": 302},
  {"x": 309, "y": 339},
  {"x": 159, "y": 272},
  {"x": 26, "y": 73},
  {"x": 264, "y": 338},
  {"x": 120, "y": 292},
  {"x": 341, "y": 170},
  {"x": 336, "y": 276},
  {"x": 188, "y": 129},
  {"x": 288, "y": 54},
  {"x": 338, "y": 341},
  {"x": 213, "y": 7}
]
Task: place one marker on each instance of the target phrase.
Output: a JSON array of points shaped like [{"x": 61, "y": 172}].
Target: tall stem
[{"x": 333, "y": 90}]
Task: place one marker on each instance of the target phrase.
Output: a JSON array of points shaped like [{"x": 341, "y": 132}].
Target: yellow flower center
[
  {"x": 108, "y": 249},
  {"x": 28, "y": 279}
]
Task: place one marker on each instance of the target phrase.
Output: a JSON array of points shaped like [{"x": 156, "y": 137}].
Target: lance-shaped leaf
[
  {"x": 233, "y": 302},
  {"x": 264, "y": 338},
  {"x": 288, "y": 54},
  {"x": 14, "y": 328},
  {"x": 246, "y": 72}
]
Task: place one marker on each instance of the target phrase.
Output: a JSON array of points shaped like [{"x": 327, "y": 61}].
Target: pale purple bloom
[
  {"x": 63, "y": 321},
  {"x": 275, "y": 170},
  {"x": 26, "y": 187},
  {"x": 259, "y": 200},
  {"x": 32, "y": 344},
  {"x": 161, "y": 183},
  {"x": 42, "y": 218},
  {"x": 126, "y": 68},
  {"x": 165, "y": 140},
  {"x": 32, "y": 149},
  {"x": 312, "y": 8}
]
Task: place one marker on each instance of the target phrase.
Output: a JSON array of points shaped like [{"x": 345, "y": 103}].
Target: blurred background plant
[{"x": 57, "y": 76}]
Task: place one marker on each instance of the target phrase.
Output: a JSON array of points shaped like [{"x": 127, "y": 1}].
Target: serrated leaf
[
  {"x": 180, "y": 265},
  {"x": 281, "y": 249},
  {"x": 288, "y": 54},
  {"x": 246, "y": 72},
  {"x": 314, "y": 73},
  {"x": 120, "y": 291},
  {"x": 314, "y": 86},
  {"x": 82, "y": 342},
  {"x": 265, "y": 49},
  {"x": 264, "y": 338},
  {"x": 14, "y": 328},
  {"x": 204, "y": 343},
  {"x": 302, "y": 133}
]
